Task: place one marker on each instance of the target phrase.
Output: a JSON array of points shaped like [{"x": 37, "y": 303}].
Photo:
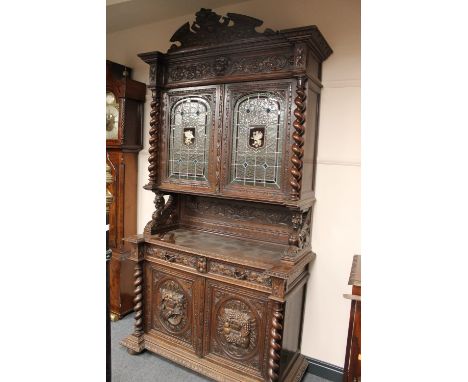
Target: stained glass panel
[
  {"x": 189, "y": 139},
  {"x": 258, "y": 133}
]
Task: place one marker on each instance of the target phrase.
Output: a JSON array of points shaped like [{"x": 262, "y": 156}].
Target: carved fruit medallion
[
  {"x": 172, "y": 306},
  {"x": 237, "y": 329}
]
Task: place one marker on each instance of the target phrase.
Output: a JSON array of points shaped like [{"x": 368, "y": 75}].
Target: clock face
[{"x": 112, "y": 116}]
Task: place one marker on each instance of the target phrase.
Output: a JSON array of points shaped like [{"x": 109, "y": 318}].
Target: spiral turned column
[
  {"x": 297, "y": 147},
  {"x": 275, "y": 341},
  {"x": 137, "y": 301},
  {"x": 154, "y": 136}
]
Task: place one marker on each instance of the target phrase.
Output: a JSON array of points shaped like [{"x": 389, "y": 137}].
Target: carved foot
[
  {"x": 114, "y": 317},
  {"x": 135, "y": 345},
  {"x": 133, "y": 352}
]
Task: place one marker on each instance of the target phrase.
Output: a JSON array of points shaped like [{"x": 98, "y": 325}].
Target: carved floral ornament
[
  {"x": 234, "y": 211},
  {"x": 221, "y": 66},
  {"x": 237, "y": 328},
  {"x": 240, "y": 273}
]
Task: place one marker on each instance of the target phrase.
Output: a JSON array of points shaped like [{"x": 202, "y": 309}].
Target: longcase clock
[{"x": 124, "y": 128}]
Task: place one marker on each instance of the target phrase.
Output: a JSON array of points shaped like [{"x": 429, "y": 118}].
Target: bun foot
[{"x": 133, "y": 352}]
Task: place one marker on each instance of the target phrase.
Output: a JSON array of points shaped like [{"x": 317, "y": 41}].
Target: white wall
[{"x": 336, "y": 229}]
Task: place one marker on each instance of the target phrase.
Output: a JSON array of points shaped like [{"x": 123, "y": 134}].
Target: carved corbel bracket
[
  {"x": 164, "y": 217},
  {"x": 299, "y": 239}
]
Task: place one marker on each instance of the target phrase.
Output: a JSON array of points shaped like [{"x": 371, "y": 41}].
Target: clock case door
[{"x": 188, "y": 158}]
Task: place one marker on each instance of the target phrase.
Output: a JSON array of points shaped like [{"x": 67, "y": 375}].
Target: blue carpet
[{"x": 148, "y": 367}]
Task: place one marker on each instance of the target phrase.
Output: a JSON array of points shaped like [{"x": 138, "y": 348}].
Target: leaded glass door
[
  {"x": 189, "y": 138},
  {"x": 256, "y": 124}
]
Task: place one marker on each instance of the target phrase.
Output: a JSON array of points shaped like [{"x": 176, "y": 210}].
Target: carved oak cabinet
[{"x": 222, "y": 266}]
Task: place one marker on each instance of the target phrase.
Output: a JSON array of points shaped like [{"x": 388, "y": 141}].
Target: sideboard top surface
[{"x": 262, "y": 254}]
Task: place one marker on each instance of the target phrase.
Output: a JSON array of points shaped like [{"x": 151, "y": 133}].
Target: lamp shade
[{"x": 355, "y": 275}]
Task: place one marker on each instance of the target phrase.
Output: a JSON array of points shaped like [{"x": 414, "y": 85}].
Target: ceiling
[{"x": 123, "y": 14}]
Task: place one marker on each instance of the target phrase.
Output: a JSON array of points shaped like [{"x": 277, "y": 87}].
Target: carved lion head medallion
[{"x": 172, "y": 306}]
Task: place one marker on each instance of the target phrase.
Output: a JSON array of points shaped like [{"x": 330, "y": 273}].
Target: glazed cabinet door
[
  {"x": 175, "y": 307},
  {"x": 257, "y": 129},
  {"x": 236, "y": 329},
  {"x": 189, "y": 139}
]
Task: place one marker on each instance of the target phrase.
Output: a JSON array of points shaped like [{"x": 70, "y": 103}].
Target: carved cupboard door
[
  {"x": 175, "y": 307},
  {"x": 236, "y": 328},
  {"x": 190, "y": 141}
]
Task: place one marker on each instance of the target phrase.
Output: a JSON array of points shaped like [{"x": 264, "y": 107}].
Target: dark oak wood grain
[{"x": 222, "y": 266}]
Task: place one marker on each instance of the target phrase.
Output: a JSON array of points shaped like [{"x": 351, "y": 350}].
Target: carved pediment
[{"x": 210, "y": 28}]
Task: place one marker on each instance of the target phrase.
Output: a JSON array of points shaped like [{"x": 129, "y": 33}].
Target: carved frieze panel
[
  {"x": 231, "y": 210},
  {"x": 239, "y": 273},
  {"x": 222, "y": 66},
  {"x": 173, "y": 257},
  {"x": 262, "y": 64}
]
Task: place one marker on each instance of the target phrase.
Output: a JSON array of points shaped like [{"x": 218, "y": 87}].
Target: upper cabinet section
[{"x": 229, "y": 115}]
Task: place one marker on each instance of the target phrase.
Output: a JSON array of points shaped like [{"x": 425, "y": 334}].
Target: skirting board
[{"x": 325, "y": 370}]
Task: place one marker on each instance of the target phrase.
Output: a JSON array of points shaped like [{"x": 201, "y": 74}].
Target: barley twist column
[
  {"x": 297, "y": 147},
  {"x": 154, "y": 137},
  {"x": 137, "y": 301},
  {"x": 275, "y": 341}
]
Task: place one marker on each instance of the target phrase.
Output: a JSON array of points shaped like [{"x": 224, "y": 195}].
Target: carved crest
[{"x": 210, "y": 28}]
